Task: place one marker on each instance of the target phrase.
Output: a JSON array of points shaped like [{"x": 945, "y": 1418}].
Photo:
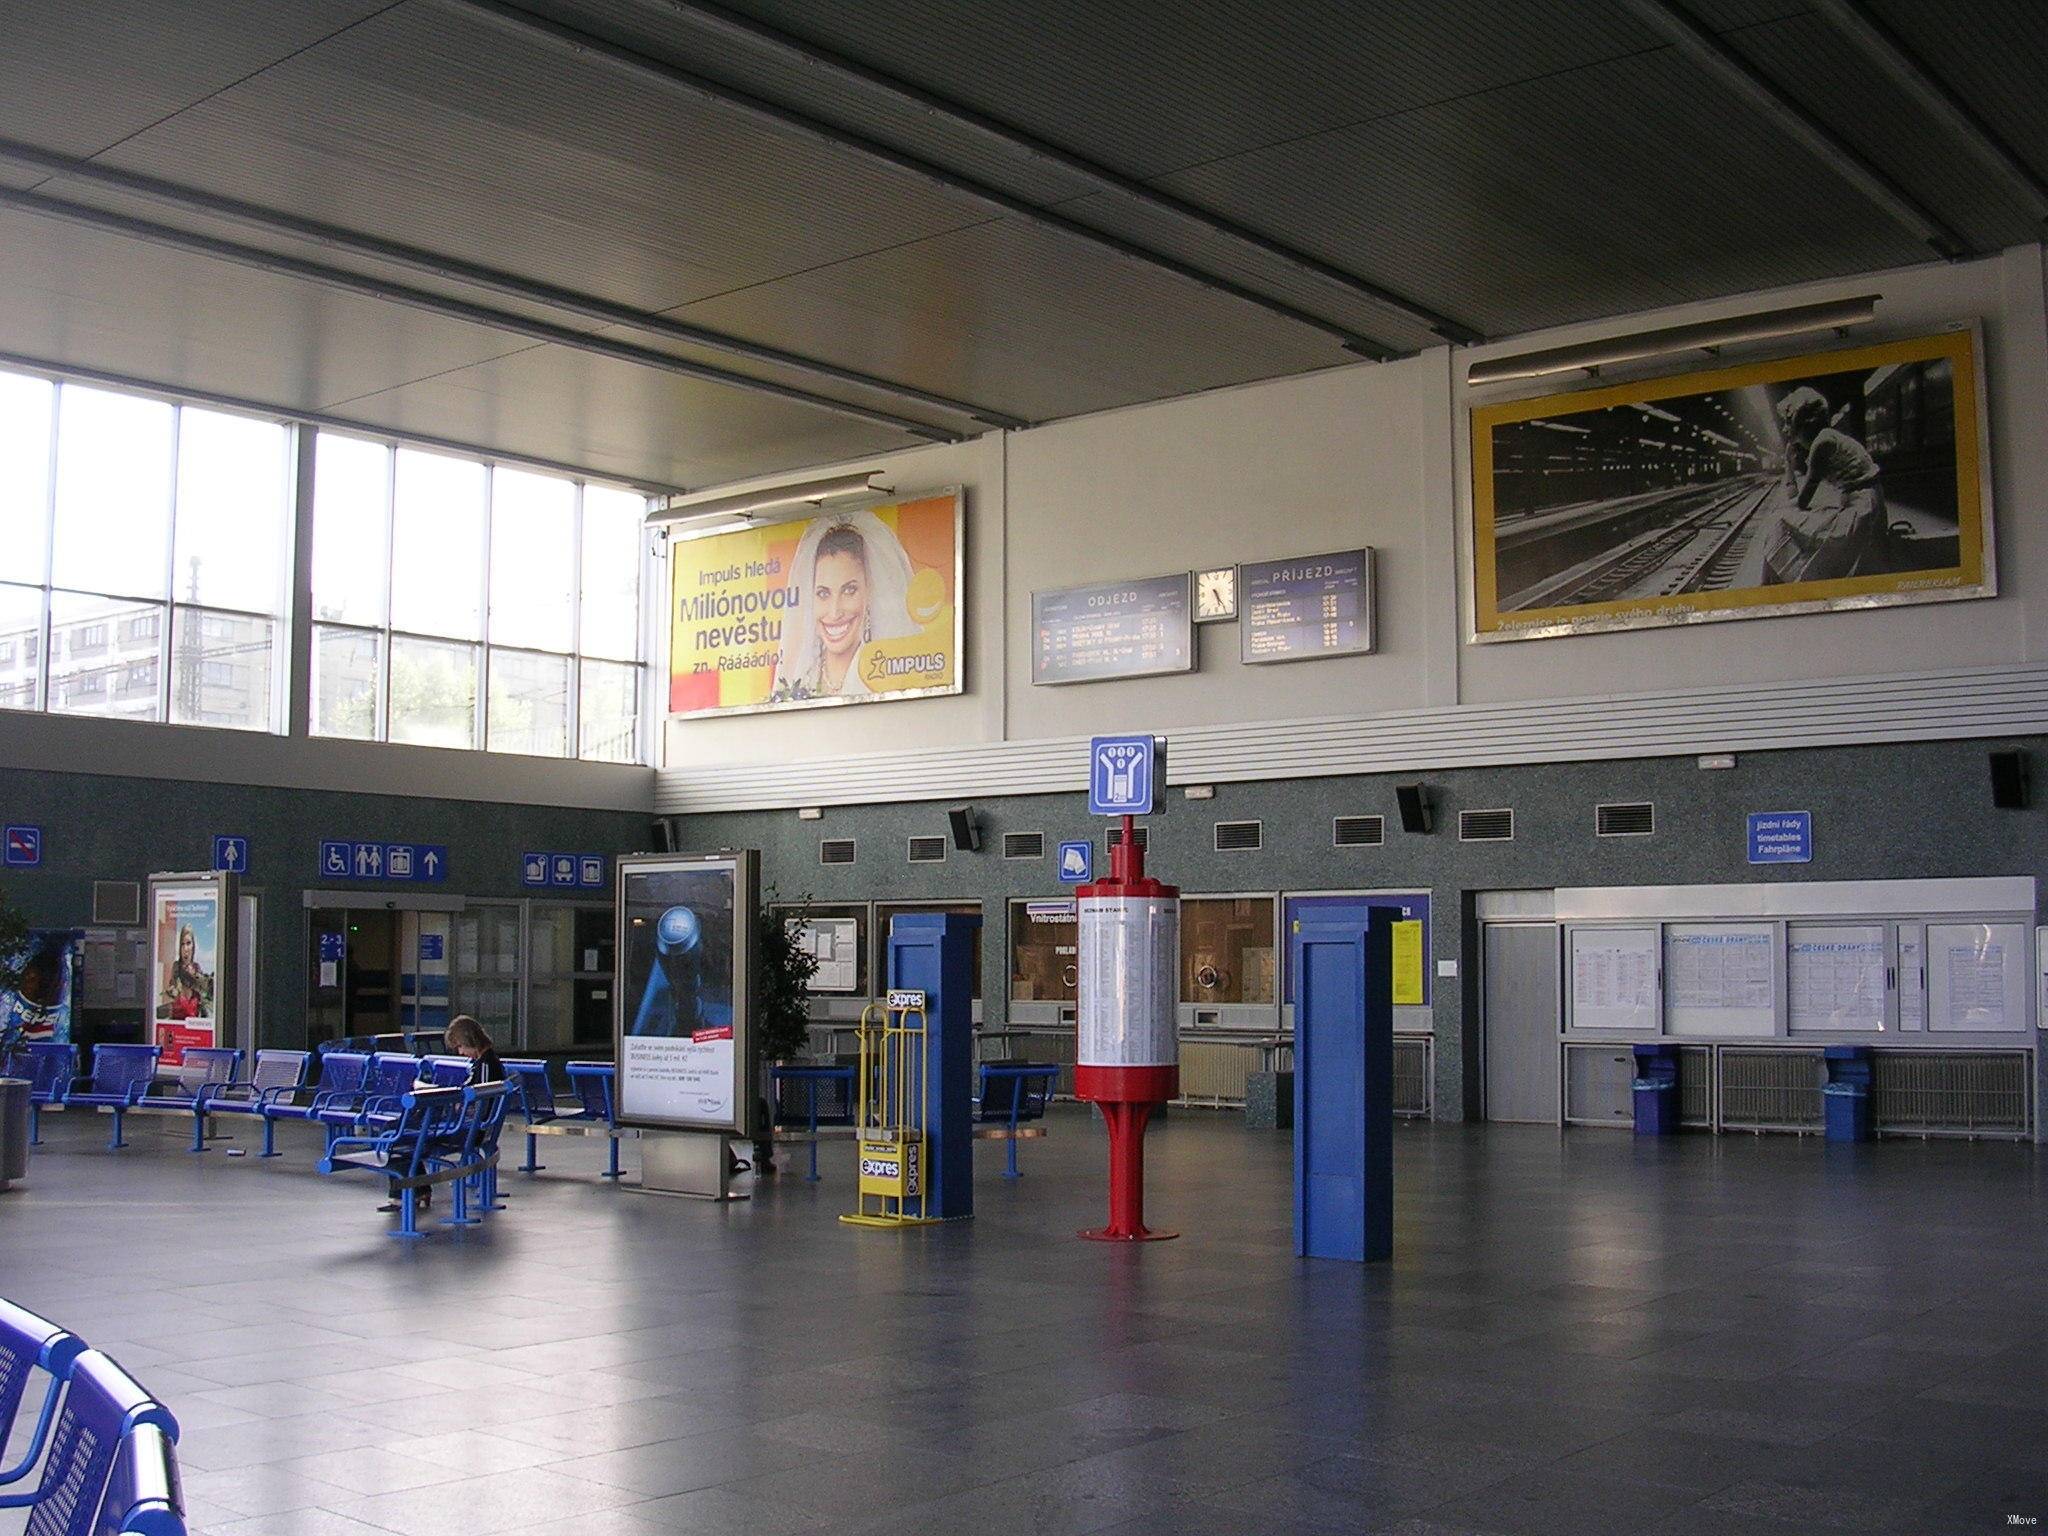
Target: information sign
[
  {"x": 1298, "y": 610},
  {"x": 1115, "y": 629},
  {"x": 1781, "y": 837}
]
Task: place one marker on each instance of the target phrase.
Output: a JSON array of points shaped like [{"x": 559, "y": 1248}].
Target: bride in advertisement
[{"x": 851, "y": 579}]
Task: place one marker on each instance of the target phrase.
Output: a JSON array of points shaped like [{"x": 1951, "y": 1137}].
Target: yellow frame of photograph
[{"x": 1973, "y": 575}]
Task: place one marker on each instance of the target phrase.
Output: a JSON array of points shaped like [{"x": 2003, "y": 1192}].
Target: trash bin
[
  {"x": 13, "y": 1129},
  {"x": 1845, "y": 1101},
  {"x": 1656, "y": 1090}
]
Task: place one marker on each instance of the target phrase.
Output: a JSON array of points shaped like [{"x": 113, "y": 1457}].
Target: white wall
[{"x": 1379, "y": 455}]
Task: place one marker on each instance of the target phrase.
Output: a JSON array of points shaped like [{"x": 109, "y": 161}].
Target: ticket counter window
[
  {"x": 837, "y": 938},
  {"x": 1227, "y": 953},
  {"x": 885, "y": 912},
  {"x": 1044, "y": 952}
]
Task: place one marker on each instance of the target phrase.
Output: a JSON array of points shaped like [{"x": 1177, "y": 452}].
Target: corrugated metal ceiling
[{"x": 1509, "y": 163}]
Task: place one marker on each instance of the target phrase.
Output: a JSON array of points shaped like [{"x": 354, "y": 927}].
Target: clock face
[{"x": 1216, "y": 593}]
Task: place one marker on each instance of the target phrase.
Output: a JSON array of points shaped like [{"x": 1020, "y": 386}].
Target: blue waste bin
[
  {"x": 1845, "y": 1101},
  {"x": 1656, "y": 1090}
]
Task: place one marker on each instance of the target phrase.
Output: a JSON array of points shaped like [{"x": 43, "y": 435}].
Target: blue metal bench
[
  {"x": 826, "y": 1095},
  {"x": 49, "y": 1067},
  {"x": 96, "y": 1462},
  {"x": 593, "y": 1112},
  {"x": 177, "y": 1090},
  {"x": 1013, "y": 1093},
  {"x": 441, "y": 1136},
  {"x": 28, "y": 1344},
  {"x": 121, "y": 1074},
  {"x": 341, "y": 1079},
  {"x": 278, "y": 1075},
  {"x": 444, "y": 1071}
]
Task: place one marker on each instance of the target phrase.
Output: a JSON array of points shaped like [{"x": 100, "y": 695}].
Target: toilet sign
[{"x": 1124, "y": 774}]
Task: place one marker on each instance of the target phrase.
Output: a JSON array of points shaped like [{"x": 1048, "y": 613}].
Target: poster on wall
[
  {"x": 40, "y": 1007},
  {"x": 1832, "y": 480},
  {"x": 852, "y": 606},
  {"x": 685, "y": 948},
  {"x": 191, "y": 940}
]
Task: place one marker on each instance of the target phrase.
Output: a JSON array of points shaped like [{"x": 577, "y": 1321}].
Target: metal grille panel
[
  {"x": 1239, "y": 836},
  {"x": 1771, "y": 1090},
  {"x": 927, "y": 850},
  {"x": 1414, "y": 1076},
  {"x": 1637, "y": 820},
  {"x": 1023, "y": 845},
  {"x": 1950, "y": 1093},
  {"x": 117, "y": 901},
  {"x": 1496, "y": 826},
  {"x": 836, "y": 850},
  {"x": 1358, "y": 831},
  {"x": 1696, "y": 1085}
]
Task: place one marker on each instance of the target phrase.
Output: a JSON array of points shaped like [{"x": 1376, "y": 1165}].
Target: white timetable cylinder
[{"x": 1129, "y": 993}]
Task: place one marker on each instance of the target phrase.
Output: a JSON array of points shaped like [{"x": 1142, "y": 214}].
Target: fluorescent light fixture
[
  {"x": 690, "y": 516},
  {"x": 1704, "y": 336}
]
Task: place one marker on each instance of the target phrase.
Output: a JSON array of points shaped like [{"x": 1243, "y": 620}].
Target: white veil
[{"x": 888, "y": 594}]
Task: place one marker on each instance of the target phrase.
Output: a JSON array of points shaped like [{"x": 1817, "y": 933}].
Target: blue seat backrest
[
  {"x": 102, "y": 1404},
  {"x": 593, "y": 1081},
  {"x": 343, "y": 1071},
  {"x": 444, "y": 1071},
  {"x": 51, "y": 1066},
  {"x": 278, "y": 1069},
  {"x": 392, "y": 1073},
  {"x": 28, "y": 1342},
  {"x": 205, "y": 1064},
  {"x": 144, "y": 1496},
  {"x": 529, "y": 1080},
  {"x": 116, "y": 1069}
]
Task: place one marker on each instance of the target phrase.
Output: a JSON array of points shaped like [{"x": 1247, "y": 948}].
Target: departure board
[
  {"x": 1297, "y": 610},
  {"x": 1116, "y": 629}
]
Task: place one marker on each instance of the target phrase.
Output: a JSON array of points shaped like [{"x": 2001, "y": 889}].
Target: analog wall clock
[{"x": 1216, "y": 594}]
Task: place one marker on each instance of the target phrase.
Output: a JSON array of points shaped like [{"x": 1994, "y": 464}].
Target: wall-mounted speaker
[
  {"x": 1417, "y": 814},
  {"x": 2009, "y": 780},
  {"x": 966, "y": 829}
]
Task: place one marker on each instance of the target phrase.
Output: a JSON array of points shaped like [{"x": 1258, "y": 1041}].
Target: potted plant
[{"x": 782, "y": 1020}]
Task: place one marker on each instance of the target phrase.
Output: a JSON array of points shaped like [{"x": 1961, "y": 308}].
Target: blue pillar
[
  {"x": 1344, "y": 1085},
  {"x": 933, "y": 953}
]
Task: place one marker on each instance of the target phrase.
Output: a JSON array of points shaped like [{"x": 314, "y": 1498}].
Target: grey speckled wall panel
[
  {"x": 1880, "y": 813},
  {"x": 101, "y": 827}
]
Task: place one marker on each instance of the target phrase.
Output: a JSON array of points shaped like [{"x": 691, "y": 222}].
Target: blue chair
[
  {"x": 143, "y": 1496},
  {"x": 596, "y": 1084},
  {"x": 203, "y": 1067},
  {"x": 341, "y": 1080},
  {"x": 278, "y": 1075},
  {"x": 444, "y": 1071},
  {"x": 1013, "y": 1092},
  {"x": 391, "y": 1076},
  {"x": 49, "y": 1066},
  {"x": 476, "y": 1154},
  {"x": 103, "y": 1406},
  {"x": 121, "y": 1075},
  {"x": 436, "y": 1130},
  {"x": 789, "y": 1082},
  {"x": 534, "y": 1096},
  {"x": 29, "y": 1344}
]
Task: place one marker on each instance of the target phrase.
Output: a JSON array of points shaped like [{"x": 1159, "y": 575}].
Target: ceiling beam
[
  {"x": 674, "y": 77},
  {"x": 1888, "y": 51},
  {"x": 1701, "y": 45},
  {"x": 729, "y": 25},
  {"x": 454, "y": 309},
  {"x": 471, "y": 274}
]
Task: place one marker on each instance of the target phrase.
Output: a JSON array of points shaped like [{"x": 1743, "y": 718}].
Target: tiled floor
[{"x": 1583, "y": 1334}]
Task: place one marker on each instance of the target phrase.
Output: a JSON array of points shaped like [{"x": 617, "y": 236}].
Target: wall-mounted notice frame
[
  {"x": 681, "y": 1025},
  {"x": 837, "y": 937},
  {"x": 192, "y": 964},
  {"x": 1977, "y": 977},
  {"x": 1912, "y": 988},
  {"x": 1837, "y": 977},
  {"x": 1114, "y": 629},
  {"x": 1721, "y": 979},
  {"x": 1302, "y": 609},
  {"x": 1613, "y": 979}
]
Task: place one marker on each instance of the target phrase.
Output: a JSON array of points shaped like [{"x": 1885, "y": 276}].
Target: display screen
[
  {"x": 684, "y": 927},
  {"x": 1115, "y": 629},
  {"x": 1297, "y": 610}
]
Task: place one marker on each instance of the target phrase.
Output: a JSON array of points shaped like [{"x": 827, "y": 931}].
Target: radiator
[
  {"x": 1696, "y": 1085},
  {"x": 1771, "y": 1090},
  {"x": 1214, "y": 1071},
  {"x": 1951, "y": 1093},
  {"x": 1414, "y": 1075}
]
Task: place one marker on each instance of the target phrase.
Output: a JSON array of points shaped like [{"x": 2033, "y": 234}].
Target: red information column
[{"x": 1128, "y": 1055}]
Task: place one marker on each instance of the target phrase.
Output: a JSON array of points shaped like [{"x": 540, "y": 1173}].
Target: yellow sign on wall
[{"x": 1407, "y": 963}]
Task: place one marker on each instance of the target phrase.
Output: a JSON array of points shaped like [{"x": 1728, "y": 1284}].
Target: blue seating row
[
  {"x": 444, "y": 1135},
  {"x": 821, "y": 1095},
  {"x": 101, "y": 1459}
]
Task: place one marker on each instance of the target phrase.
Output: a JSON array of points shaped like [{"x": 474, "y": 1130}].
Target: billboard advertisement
[
  {"x": 685, "y": 952},
  {"x": 849, "y": 607},
  {"x": 190, "y": 939},
  {"x": 1847, "y": 479},
  {"x": 40, "y": 1008}
]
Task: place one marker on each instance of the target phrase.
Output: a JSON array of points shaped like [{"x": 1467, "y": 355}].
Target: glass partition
[
  {"x": 1044, "y": 952},
  {"x": 1227, "y": 950}
]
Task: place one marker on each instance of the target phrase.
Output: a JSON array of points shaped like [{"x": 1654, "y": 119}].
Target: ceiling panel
[
  {"x": 78, "y": 76},
  {"x": 1992, "y": 53},
  {"x": 1011, "y": 315},
  {"x": 428, "y": 126},
  {"x": 619, "y": 420}
]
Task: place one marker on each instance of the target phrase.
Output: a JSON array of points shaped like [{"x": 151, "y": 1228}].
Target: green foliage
[{"x": 781, "y": 1020}]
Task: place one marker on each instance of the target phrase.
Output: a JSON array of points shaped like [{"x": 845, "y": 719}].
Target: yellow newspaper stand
[{"x": 891, "y": 1113}]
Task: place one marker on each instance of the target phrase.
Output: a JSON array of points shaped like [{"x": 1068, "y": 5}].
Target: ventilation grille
[
  {"x": 1771, "y": 1090},
  {"x": 1023, "y": 845},
  {"x": 927, "y": 850},
  {"x": 1116, "y": 836},
  {"x": 1486, "y": 826},
  {"x": 1239, "y": 836},
  {"x": 117, "y": 903},
  {"x": 1949, "y": 1093},
  {"x": 1638, "y": 819},
  {"x": 1358, "y": 831},
  {"x": 1411, "y": 1077},
  {"x": 835, "y": 850}
]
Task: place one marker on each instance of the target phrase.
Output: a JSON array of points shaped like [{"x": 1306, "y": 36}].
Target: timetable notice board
[
  {"x": 1114, "y": 629},
  {"x": 1297, "y": 610}
]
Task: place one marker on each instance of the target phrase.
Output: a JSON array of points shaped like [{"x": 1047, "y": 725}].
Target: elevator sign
[
  {"x": 1124, "y": 774},
  {"x": 1781, "y": 837}
]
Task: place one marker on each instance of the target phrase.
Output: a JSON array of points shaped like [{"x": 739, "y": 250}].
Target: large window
[
  {"x": 144, "y": 555},
  {"x": 464, "y": 604}
]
